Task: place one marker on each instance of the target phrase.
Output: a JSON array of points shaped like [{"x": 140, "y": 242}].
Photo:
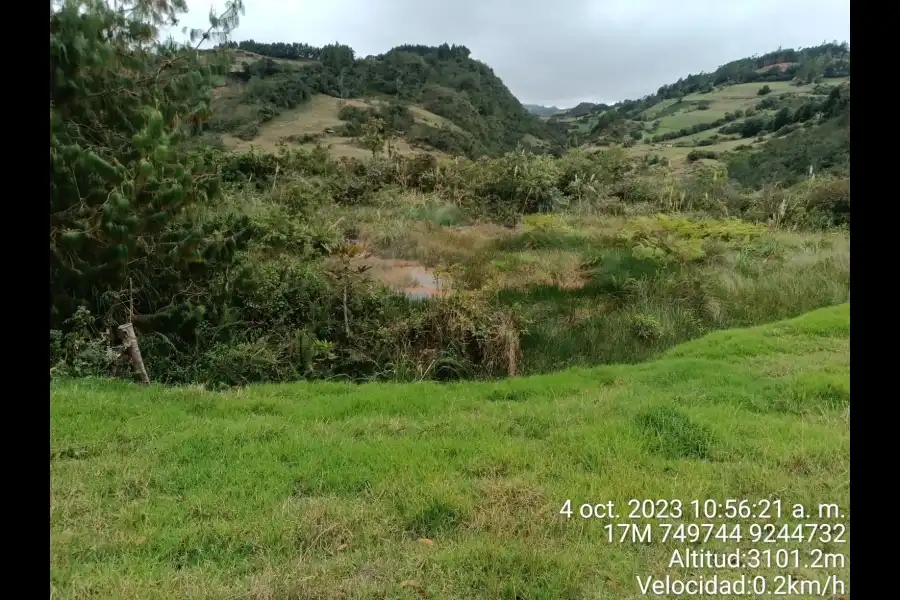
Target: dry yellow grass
[
  {"x": 312, "y": 118},
  {"x": 527, "y": 269}
]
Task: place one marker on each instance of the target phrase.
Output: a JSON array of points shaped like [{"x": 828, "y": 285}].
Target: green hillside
[
  {"x": 392, "y": 491},
  {"x": 438, "y": 100},
  {"x": 740, "y": 106},
  {"x": 435, "y": 98}
]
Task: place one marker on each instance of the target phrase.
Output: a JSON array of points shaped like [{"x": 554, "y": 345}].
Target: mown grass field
[{"x": 314, "y": 490}]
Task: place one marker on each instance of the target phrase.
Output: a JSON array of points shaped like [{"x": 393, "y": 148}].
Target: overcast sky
[{"x": 557, "y": 52}]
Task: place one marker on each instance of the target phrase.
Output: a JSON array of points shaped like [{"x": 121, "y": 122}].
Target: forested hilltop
[{"x": 433, "y": 97}]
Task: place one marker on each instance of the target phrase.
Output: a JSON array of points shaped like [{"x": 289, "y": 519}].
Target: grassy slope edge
[{"x": 313, "y": 490}]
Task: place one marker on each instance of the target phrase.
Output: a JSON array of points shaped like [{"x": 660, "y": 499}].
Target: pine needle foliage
[{"x": 121, "y": 104}]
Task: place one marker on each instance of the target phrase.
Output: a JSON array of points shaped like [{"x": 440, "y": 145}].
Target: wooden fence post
[{"x": 129, "y": 340}]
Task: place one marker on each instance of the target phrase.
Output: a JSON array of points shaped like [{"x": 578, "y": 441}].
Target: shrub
[
  {"x": 679, "y": 239},
  {"x": 752, "y": 127},
  {"x": 766, "y": 103},
  {"x": 695, "y": 155},
  {"x": 646, "y": 327},
  {"x": 822, "y": 203},
  {"x": 81, "y": 350}
]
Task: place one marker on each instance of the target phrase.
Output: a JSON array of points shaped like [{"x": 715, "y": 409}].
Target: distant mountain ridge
[{"x": 542, "y": 111}]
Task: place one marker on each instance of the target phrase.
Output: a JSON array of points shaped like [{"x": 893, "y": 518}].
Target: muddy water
[{"x": 412, "y": 279}]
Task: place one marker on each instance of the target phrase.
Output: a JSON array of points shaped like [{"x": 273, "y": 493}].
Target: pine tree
[{"x": 121, "y": 181}]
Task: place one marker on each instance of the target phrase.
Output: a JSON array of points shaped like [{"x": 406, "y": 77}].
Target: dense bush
[
  {"x": 273, "y": 311},
  {"x": 695, "y": 155}
]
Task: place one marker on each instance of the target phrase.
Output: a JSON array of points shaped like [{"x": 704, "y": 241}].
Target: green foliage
[
  {"x": 764, "y": 90},
  {"x": 767, "y": 103},
  {"x": 646, "y": 327},
  {"x": 292, "y": 51},
  {"x": 220, "y": 295},
  {"x": 547, "y": 223},
  {"x": 280, "y": 91},
  {"x": 782, "y": 118},
  {"x": 395, "y": 118},
  {"x": 679, "y": 239},
  {"x": 121, "y": 183},
  {"x": 788, "y": 159},
  {"x": 695, "y": 155},
  {"x": 446, "y": 140},
  {"x": 752, "y": 127},
  {"x": 374, "y": 136},
  {"x": 821, "y": 202},
  {"x": 514, "y": 183},
  {"x": 80, "y": 351},
  {"x": 259, "y": 283},
  {"x": 442, "y": 214}
]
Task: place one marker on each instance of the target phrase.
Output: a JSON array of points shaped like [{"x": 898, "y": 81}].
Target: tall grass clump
[{"x": 661, "y": 280}]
